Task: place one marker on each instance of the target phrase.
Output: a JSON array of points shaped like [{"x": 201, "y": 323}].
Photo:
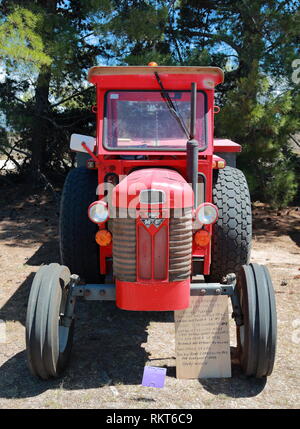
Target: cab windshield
[{"x": 141, "y": 120}]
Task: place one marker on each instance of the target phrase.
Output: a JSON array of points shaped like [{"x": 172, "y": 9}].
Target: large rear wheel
[
  {"x": 78, "y": 248},
  {"x": 232, "y": 233}
]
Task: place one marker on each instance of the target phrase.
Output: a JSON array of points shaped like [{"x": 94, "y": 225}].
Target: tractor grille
[
  {"x": 124, "y": 249},
  {"x": 180, "y": 249},
  {"x": 180, "y": 246}
]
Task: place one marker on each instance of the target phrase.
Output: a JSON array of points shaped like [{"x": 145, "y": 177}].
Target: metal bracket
[
  {"x": 70, "y": 302},
  {"x": 96, "y": 292},
  {"x": 208, "y": 289},
  {"x": 237, "y": 314},
  {"x": 107, "y": 292}
]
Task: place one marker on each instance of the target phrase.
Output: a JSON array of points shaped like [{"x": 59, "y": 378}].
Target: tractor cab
[{"x": 148, "y": 109}]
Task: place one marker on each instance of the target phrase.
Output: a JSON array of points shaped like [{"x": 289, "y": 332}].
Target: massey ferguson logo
[{"x": 156, "y": 222}]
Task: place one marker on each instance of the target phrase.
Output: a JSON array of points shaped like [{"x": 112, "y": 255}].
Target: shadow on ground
[
  {"x": 31, "y": 220},
  {"x": 15, "y": 307},
  {"x": 268, "y": 223},
  {"x": 46, "y": 254},
  {"x": 108, "y": 349},
  {"x": 238, "y": 386},
  {"x": 295, "y": 236}
]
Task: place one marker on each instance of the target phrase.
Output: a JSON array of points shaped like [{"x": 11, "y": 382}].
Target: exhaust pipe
[{"x": 192, "y": 147}]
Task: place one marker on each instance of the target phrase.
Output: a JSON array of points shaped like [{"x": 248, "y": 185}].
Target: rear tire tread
[
  {"x": 232, "y": 233},
  {"x": 78, "y": 248}
]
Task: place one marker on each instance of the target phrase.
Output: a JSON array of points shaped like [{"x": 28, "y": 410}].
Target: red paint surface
[
  {"x": 158, "y": 296},
  {"x": 225, "y": 145},
  {"x": 177, "y": 191},
  {"x": 152, "y": 251}
]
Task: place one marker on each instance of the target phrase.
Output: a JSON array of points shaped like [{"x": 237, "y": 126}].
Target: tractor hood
[{"x": 153, "y": 188}]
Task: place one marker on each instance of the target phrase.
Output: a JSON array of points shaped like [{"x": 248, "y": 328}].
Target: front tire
[
  {"x": 48, "y": 341},
  {"x": 256, "y": 336}
]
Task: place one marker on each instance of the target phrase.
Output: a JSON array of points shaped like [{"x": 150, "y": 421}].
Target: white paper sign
[{"x": 202, "y": 338}]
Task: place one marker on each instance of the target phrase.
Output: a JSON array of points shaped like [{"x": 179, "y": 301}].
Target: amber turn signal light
[
  {"x": 202, "y": 238},
  {"x": 103, "y": 237}
]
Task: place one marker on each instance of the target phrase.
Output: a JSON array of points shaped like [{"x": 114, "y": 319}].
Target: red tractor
[{"x": 154, "y": 202}]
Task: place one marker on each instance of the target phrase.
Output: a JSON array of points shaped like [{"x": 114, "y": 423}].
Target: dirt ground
[{"x": 112, "y": 346}]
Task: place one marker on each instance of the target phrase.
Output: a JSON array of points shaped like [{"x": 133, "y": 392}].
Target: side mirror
[{"x": 77, "y": 139}]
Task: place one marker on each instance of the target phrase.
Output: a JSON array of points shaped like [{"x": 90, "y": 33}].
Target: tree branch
[
  {"x": 71, "y": 96},
  {"x": 217, "y": 37},
  {"x": 294, "y": 140},
  {"x": 11, "y": 158},
  {"x": 13, "y": 148},
  {"x": 173, "y": 36}
]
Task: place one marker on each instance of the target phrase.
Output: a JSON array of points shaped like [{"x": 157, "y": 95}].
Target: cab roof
[{"x": 210, "y": 76}]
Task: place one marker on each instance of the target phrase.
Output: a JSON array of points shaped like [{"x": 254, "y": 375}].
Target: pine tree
[
  {"x": 46, "y": 49},
  {"x": 48, "y": 46}
]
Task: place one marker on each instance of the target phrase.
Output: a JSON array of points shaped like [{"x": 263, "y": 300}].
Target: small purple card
[{"x": 154, "y": 376}]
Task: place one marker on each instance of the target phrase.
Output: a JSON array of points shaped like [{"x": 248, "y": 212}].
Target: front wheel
[
  {"x": 256, "y": 336},
  {"x": 48, "y": 341}
]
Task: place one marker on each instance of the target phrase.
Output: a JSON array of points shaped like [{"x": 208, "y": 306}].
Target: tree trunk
[{"x": 40, "y": 124}]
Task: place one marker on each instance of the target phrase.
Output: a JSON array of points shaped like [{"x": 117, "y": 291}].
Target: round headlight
[
  {"x": 207, "y": 213},
  {"x": 98, "y": 212}
]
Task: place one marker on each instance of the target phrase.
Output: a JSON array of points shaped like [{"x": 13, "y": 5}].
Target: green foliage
[
  {"x": 261, "y": 125},
  {"x": 281, "y": 183},
  {"x": 141, "y": 23},
  {"x": 19, "y": 39},
  {"x": 45, "y": 96},
  {"x": 47, "y": 48}
]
